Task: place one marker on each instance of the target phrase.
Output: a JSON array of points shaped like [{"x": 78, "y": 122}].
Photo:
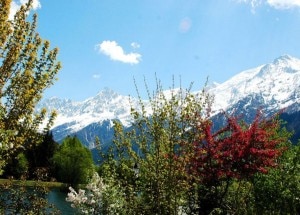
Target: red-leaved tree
[{"x": 236, "y": 151}]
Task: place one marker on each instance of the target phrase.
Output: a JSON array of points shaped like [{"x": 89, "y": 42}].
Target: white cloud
[
  {"x": 185, "y": 25},
  {"x": 277, "y": 4},
  {"x": 116, "y": 52},
  {"x": 135, "y": 45},
  {"x": 15, "y": 6},
  {"x": 253, "y": 3},
  {"x": 284, "y": 4}
]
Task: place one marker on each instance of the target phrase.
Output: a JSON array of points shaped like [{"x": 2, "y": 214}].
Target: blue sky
[{"x": 108, "y": 43}]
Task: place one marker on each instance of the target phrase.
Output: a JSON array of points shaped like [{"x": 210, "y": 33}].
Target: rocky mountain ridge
[
  {"x": 276, "y": 83},
  {"x": 272, "y": 87}
]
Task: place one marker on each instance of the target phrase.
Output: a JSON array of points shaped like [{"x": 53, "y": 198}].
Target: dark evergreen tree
[{"x": 40, "y": 158}]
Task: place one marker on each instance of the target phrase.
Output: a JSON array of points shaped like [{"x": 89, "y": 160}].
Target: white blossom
[{"x": 91, "y": 199}]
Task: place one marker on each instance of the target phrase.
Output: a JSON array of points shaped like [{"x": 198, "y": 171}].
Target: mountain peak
[
  {"x": 282, "y": 65},
  {"x": 287, "y": 61},
  {"x": 107, "y": 90},
  {"x": 274, "y": 82},
  {"x": 284, "y": 57},
  {"x": 106, "y": 95},
  {"x": 104, "y": 92}
]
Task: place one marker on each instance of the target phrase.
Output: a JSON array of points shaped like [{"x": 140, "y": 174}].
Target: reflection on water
[{"x": 58, "y": 199}]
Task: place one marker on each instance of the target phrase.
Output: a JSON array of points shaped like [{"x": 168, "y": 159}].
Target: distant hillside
[{"x": 293, "y": 124}]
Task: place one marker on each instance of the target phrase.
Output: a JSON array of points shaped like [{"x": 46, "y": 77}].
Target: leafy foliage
[
  {"x": 173, "y": 162},
  {"x": 279, "y": 190},
  {"x": 33, "y": 163},
  {"x": 27, "y": 68},
  {"x": 154, "y": 146},
  {"x": 237, "y": 151},
  {"x": 22, "y": 165},
  {"x": 40, "y": 158},
  {"x": 73, "y": 162}
]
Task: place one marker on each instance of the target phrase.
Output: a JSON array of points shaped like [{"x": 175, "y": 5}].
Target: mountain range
[{"x": 271, "y": 87}]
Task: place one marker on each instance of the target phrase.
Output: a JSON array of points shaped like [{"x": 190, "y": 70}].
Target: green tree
[
  {"x": 27, "y": 67},
  {"x": 40, "y": 157},
  {"x": 278, "y": 192},
  {"x": 73, "y": 162},
  {"x": 22, "y": 165},
  {"x": 17, "y": 166},
  {"x": 38, "y": 160},
  {"x": 145, "y": 160}
]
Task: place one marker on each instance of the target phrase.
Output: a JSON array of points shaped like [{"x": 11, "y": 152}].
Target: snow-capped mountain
[
  {"x": 272, "y": 86},
  {"x": 107, "y": 104},
  {"x": 73, "y": 116},
  {"x": 276, "y": 84}
]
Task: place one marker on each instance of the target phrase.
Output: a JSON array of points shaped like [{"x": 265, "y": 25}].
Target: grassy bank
[{"x": 32, "y": 183}]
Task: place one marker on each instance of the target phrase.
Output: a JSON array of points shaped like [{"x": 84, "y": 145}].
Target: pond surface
[
  {"x": 58, "y": 198},
  {"x": 54, "y": 197}
]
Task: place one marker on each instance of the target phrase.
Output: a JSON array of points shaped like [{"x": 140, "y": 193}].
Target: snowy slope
[
  {"x": 273, "y": 86},
  {"x": 277, "y": 83},
  {"x": 74, "y": 116}
]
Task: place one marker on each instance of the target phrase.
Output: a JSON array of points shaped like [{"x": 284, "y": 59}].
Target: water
[
  {"x": 58, "y": 198},
  {"x": 54, "y": 197}
]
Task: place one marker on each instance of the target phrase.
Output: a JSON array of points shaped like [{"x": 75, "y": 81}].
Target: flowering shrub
[
  {"x": 90, "y": 200},
  {"x": 97, "y": 198}
]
